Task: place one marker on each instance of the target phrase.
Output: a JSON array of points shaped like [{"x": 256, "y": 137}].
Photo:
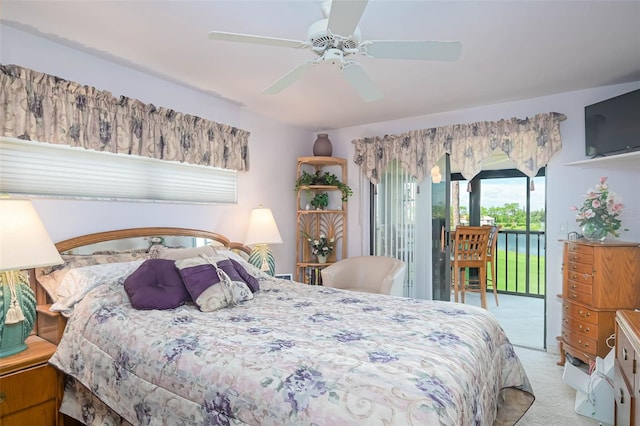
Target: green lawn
[{"x": 516, "y": 282}]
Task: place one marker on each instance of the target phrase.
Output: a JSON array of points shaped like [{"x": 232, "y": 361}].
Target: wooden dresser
[
  {"x": 598, "y": 279},
  {"x": 30, "y": 389},
  {"x": 626, "y": 387}
]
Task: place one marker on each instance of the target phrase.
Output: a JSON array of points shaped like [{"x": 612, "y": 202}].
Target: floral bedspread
[{"x": 295, "y": 355}]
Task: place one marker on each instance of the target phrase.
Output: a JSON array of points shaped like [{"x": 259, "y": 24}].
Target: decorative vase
[
  {"x": 322, "y": 146},
  {"x": 594, "y": 231},
  {"x": 322, "y": 258}
]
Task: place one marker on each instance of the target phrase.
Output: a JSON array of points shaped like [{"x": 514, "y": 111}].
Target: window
[{"x": 61, "y": 171}]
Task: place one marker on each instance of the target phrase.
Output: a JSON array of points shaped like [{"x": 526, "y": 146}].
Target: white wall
[
  {"x": 565, "y": 184},
  {"x": 273, "y": 148}
]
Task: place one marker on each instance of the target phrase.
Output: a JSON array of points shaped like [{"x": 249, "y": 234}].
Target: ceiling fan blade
[
  {"x": 345, "y": 15},
  {"x": 289, "y": 78},
  {"x": 414, "y": 49},
  {"x": 244, "y": 38},
  {"x": 357, "y": 77}
]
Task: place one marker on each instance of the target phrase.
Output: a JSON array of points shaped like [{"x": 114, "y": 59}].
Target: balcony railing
[{"x": 520, "y": 263}]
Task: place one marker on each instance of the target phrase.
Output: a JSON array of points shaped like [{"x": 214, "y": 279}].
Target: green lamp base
[
  {"x": 262, "y": 258},
  {"x": 12, "y": 340},
  {"x": 13, "y": 336}
]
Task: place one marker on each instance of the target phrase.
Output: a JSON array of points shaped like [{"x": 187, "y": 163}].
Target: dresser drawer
[
  {"x": 625, "y": 357},
  {"x": 579, "y": 268},
  {"x": 28, "y": 388},
  {"x": 579, "y": 287},
  {"x": 623, "y": 402},
  {"x": 584, "y": 256},
  {"x": 575, "y": 249},
  {"x": 580, "y": 341},
  {"x": 579, "y": 327},
  {"x": 575, "y": 296},
  {"x": 580, "y": 312},
  {"x": 580, "y": 277}
]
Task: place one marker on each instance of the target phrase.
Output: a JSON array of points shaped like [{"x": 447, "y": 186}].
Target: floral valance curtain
[
  {"x": 529, "y": 142},
  {"x": 45, "y": 108}
]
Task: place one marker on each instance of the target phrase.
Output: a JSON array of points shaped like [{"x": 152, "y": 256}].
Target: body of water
[{"x": 509, "y": 241}]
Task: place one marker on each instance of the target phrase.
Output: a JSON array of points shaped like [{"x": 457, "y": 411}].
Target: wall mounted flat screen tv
[{"x": 613, "y": 126}]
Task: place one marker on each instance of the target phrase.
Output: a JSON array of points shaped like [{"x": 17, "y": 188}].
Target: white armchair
[{"x": 371, "y": 274}]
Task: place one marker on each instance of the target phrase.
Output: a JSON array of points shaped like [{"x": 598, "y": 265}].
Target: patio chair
[
  {"x": 491, "y": 257},
  {"x": 469, "y": 250}
]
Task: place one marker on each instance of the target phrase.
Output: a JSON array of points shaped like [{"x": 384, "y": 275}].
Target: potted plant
[
  {"x": 321, "y": 247},
  {"x": 307, "y": 179},
  {"x": 599, "y": 213},
  {"x": 320, "y": 201}
]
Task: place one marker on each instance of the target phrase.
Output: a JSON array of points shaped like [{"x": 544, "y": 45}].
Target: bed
[{"x": 287, "y": 354}]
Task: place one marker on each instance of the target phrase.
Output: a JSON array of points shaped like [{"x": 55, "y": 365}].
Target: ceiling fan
[{"x": 337, "y": 37}]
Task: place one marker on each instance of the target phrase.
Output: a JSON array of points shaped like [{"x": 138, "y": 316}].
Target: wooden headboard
[{"x": 50, "y": 325}]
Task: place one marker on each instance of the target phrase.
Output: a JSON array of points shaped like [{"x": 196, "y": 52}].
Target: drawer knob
[
  {"x": 573, "y": 296},
  {"x": 621, "y": 396},
  {"x": 573, "y": 267},
  {"x": 625, "y": 355}
]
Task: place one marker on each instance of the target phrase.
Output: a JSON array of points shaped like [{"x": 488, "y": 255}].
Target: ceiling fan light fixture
[
  {"x": 333, "y": 56},
  {"x": 338, "y": 36}
]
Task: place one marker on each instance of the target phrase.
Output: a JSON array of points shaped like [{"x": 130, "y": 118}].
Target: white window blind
[
  {"x": 395, "y": 218},
  {"x": 43, "y": 169}
]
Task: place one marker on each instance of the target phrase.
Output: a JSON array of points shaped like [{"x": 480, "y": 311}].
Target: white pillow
[
  {"x": 223, "y": 294},
  {"x": 78, "y": 282}
]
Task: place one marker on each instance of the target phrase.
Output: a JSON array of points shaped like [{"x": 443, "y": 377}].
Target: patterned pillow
[
  {"x": 51, "y": 277},
  {"x": 156, "y": 284},
  {"x": 79, "y": 281},
  {"x": 213, "y": 282}
]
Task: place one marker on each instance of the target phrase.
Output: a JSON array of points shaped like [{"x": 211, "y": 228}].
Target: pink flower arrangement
[{"x": 601, "y": 208}]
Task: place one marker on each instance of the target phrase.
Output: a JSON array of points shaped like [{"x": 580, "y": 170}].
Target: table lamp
[
  {"x": 24, "y": 244},
  {"x": 262, "y": 231}
]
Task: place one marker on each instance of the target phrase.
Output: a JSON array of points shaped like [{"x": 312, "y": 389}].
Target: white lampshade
[
  {"x": 24, "y": 242},
  {"x": 262, "y": 228}
]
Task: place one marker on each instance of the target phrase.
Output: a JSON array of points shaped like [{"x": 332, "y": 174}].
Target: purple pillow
[
  {"x": 200, "y": 277},
  {"x": 249, "y": 279},
  {"x": 156, "y": 284}
]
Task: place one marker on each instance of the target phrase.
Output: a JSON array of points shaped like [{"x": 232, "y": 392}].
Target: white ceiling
[{"x": 511, "y": 50}]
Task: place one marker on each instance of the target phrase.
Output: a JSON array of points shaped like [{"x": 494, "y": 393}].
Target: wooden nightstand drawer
[
  {"x": 42, "y": 414},
  {"x": 28, "y": 388}
]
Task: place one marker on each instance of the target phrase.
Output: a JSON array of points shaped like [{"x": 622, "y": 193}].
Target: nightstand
[{"x": 29, "y": 387}]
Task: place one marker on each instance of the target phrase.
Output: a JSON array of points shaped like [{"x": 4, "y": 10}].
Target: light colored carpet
[{"x": 554, "y": 399}]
